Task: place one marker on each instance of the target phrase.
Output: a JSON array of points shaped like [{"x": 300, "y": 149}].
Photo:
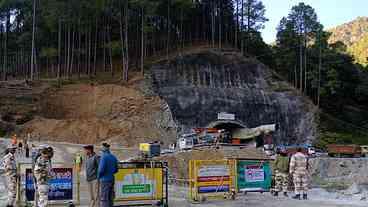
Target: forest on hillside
[
  {"x": 66, "y": 39},
  {"x": 61, "y": 39},
  {"x": 355, "y": 36}
]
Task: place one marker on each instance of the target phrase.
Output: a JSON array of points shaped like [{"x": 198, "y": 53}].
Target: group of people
[
  {"x": 295, "y": 167},
  {"x": 41, "y": 166},
  {"x": 100, "y": 171}
]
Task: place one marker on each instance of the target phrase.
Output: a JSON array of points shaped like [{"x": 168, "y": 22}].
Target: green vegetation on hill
[
  {"x": 325, "y": 72},
  {"x": 355, "y": 36},
  {"x": 360, "y": 50}
]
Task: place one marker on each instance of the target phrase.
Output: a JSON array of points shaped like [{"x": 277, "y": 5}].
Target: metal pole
[{"x": 167, "y": 184}]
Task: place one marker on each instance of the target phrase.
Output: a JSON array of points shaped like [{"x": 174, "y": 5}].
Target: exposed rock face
[
  {"x": 348, "y": 170},
  {"x": 199, "y": 86}
]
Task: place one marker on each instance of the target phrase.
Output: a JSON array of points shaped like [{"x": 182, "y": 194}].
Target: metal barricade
[
  {"x": 211, "y": 179},
  {"x": 254, "y": 175},
  {"x": 141, "y": 183},
  {"x": 64, "y": 186}
]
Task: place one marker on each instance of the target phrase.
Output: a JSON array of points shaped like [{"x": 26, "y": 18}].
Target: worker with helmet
[
  {"x": 11, "y": 174},
  {"x": 42, "y": 174}
]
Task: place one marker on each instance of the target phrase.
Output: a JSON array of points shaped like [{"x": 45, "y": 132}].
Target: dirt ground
[
  {"x": 178, "y": 195},
  {"x": 318, "y": 198},
  {"x": 85, "y": 113},
  {"x": 178, "y": 162}
]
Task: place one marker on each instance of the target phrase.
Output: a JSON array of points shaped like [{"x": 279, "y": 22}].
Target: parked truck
[{"x": 339, "y": 150}]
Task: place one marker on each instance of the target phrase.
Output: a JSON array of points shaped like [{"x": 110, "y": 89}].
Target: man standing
[
  {"x": 10, "y": 167},
  {"x": 107, "y": 168},
  {"x": 42, "y": 174},
  {"x": 92, "y": 162},
  {"x": 281, "y": 168},
  {"x": 299, "y": 171}
]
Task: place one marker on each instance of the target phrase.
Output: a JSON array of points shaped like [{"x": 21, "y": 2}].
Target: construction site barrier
[
  {"x": 253, "y": 175},
  {"x": 211, "y": 179},
  {"x": 141, "y": 183},
  {"x": 64, "y": 185}
]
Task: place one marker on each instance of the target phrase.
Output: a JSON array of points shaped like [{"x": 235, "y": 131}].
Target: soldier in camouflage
[
  {"x": 281, "y": 167},
  {"x": 42, "y": 174},
  {"x": 10, "y": 167},
  {"x": 299, "y": 170}
]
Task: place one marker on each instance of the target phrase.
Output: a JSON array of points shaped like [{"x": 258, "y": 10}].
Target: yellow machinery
[{"x": 150, "y": 149}]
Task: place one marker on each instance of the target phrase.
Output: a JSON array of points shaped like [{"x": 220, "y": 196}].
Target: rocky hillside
[
  {"x": 199, "y": 86},
  {"x": 355, "y": 36},
  {"x": 173, "y": 98}
]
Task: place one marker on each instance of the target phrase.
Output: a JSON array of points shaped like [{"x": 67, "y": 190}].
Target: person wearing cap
[
  {"x": 42, "y": 174},
  {"x": 91, "y": 165},
  {"x": 10, "y": 167},
  {"x": 107, "y": 168}
]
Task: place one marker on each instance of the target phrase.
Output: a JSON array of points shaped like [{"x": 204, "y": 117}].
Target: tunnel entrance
[
  {"x": 229, "y": 130},
  {"x": 227, "y": 125}
]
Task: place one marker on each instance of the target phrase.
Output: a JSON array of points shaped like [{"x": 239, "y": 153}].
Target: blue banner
[
  {"x": 60, "y": 185},
  {"x": 213, "y": 189}
]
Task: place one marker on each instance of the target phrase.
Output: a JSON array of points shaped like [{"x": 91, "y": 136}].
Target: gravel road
[{"x": 178, "y": 195}]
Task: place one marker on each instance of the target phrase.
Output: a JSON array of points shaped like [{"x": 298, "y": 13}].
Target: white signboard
[
  {"x": 225, "y": 116},
  {"x": 254, "y": 175},
  {"x": 214, "y": 170}
]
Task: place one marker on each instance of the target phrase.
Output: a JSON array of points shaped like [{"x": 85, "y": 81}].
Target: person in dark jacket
[
  {"x": 107, "y": 168},
  {"x": 91, "y": 166}
]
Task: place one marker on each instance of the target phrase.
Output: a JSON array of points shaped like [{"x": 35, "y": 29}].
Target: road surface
[{"x": 178, "y": 195}]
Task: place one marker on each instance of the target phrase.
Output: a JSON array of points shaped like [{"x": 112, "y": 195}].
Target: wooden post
[{"x": 78, "y": 187}]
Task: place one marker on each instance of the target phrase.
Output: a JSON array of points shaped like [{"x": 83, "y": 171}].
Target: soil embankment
[{"x": 84, "y": 113}]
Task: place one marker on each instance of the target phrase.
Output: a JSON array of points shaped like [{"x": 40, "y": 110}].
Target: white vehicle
[
  {"x": 311, "y": 151},
  {"x": 187, "y": 141}
]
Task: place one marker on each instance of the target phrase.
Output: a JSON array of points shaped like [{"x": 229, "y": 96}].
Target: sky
[{"x": 331, "y": 13}]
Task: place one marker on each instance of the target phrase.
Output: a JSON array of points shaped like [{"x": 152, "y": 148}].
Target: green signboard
[
  {"x": 136, "y": 188},
  {"x": 254, "y": 176}
]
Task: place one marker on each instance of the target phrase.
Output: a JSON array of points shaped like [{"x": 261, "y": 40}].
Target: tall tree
[
  {"x": 254, "y": 13},
  {"x": 298, "y": 30}
]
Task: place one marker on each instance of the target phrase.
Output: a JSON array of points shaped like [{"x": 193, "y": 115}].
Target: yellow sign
[{"x": 139, "y": 184}]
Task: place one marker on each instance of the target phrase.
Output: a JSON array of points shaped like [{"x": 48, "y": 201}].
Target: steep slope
[
  {"x": 199, "y": 86},
  {"x": 351, "y": 32},
  {"x": 84, "y": 113},
  {"x": 355, "y": 36}
]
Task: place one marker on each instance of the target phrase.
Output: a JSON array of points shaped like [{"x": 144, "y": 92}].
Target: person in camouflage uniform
[
  {"x": 10, "y": 167},
  {"x": 299, "y": 170},
  {"x": 281, "y": 168},
  {"x": 42, "y": 171}
]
